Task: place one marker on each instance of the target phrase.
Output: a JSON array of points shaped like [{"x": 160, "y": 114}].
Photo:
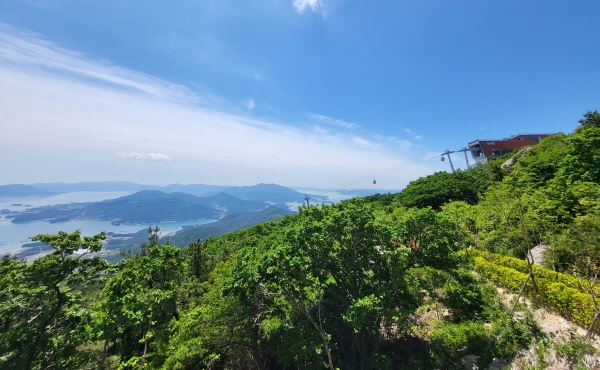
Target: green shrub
[
  {"x": 465, "y": 296},
  {"x": 575, "y": 348},
  {"x": 453, "y": 341},
  {"x": 514, "y": 335}
]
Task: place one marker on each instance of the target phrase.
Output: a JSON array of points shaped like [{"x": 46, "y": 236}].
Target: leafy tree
[
  {"x": 140, "y": 304},
  {"x": 442, "y": 187},
  {"x": 221, "y": 329},
  {"x": 42, "y": 318},
  {"x": 504, "y": 221},
  {"x": 434, "y": 240},
  {"x": 590, "y": 119},
  {"x": 582, "y": 162},
  {"x": 339, "y": 272},
  {"x": 465, "y": 217},
  {"x": 539, "y": 165}
]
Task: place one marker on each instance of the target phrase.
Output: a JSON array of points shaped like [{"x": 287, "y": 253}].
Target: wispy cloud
[
  {"x": 249, "y": 103},
  {"x": 360, "y": 141},
  {"x": 146, "y": 156},
  {"x": 331, "y": 121},
  {"x": 314, "y": 5},
  {"x": 302, "y": 5},
  {"x": 27, "y": 49},
  {"x": 50, "y": 99},
  {"x": 414, "y": 134}
]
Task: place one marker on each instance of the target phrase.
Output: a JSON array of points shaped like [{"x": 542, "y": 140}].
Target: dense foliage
[
  {"x": 442, "y": 187},
  {"x": 374, "y": 283}
]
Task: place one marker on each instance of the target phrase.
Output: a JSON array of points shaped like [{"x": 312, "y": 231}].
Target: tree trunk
[
  {"x": 521, "y": 292},
  {"x": 146, "y": 341},
  {"x": 104, "y": 351},
  {"x": 255, "y": 349},
  {"x": 593, "y": 327},
  {"x": 319, "y": 329}
]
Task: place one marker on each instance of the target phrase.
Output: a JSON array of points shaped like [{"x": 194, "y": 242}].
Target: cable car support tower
[
  {"x": 306, "y": 198},
  {"x": 465, "y": 150},
  {"x": 447, "y": 153}
]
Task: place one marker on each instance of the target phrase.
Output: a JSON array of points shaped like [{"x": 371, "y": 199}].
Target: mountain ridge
[{"x": 22, "y": 190}]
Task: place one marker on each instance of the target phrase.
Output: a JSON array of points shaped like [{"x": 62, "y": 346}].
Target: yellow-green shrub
[
  {"x": 539, "y": 272},
  {"x": 504, "y": 276},
  {"x": 556, "y": 296}
]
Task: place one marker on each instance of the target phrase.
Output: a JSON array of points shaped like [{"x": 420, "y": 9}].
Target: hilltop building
[{"x": 484, "y": 150}]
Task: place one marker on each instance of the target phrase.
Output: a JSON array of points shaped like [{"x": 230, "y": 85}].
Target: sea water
[{"x": 14, "y": 235}]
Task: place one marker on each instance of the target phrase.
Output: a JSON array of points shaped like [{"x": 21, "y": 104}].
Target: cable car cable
[{"x": 384, "y": 172}]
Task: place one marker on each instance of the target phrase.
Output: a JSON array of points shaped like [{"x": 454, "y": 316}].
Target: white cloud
[
  {"x": 331, "y": 121},
  {"x": 249, "y": 103},
  {"x": 77, "y": 125},
  {"x": 414, "y": 134},
  {"x": 27, "y": 49},
  {"x": 362, "y": 142},
  {"x": 147, "y": 156},
  {"x": 404, "y": 144},
  {"x": 302, "y": 5}
]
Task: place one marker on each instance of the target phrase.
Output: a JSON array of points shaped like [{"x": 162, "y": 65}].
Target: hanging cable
[{"x": 384, "y": 172}]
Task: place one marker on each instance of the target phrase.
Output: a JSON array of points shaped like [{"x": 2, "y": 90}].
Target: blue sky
[{"x": 299, "y": 92}]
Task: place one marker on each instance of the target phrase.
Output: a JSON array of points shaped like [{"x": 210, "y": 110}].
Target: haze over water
[{"x": 14, "y": 235}]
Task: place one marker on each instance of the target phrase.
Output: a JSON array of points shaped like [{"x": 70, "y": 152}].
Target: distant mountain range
[
  {"x": 20, "y": 190},
  {"x": 195, "y": 189},
  {"x": 171, "y": 203},
  {"x": 182, "y": 238},
  {"x": 262, "y": 192},
  {"x": 146, "y": 206}
]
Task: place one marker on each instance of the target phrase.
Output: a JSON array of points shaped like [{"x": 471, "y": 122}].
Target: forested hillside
[{"x": 382, "y": 282}]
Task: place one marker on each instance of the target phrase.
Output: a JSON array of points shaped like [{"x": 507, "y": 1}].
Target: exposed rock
[
  {"x": 497, "y": 364},
  {"x": 447, "y": 313},
  {"x": 511, "y": 162},
  {"x": 469, "y": 362},
  {"x": 537, "y": 253},
  {"x": 519, "y": 316}
]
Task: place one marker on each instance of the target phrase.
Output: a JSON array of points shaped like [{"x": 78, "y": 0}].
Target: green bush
[
  {"x": 514, "y": 335},
  {"x": 575, "y": 348},
  {"x": 453, "y": 341},
  {"x": 465, "y": 296}
]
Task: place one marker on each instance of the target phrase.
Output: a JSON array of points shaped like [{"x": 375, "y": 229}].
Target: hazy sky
[{"x": 320, "y": 93}]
